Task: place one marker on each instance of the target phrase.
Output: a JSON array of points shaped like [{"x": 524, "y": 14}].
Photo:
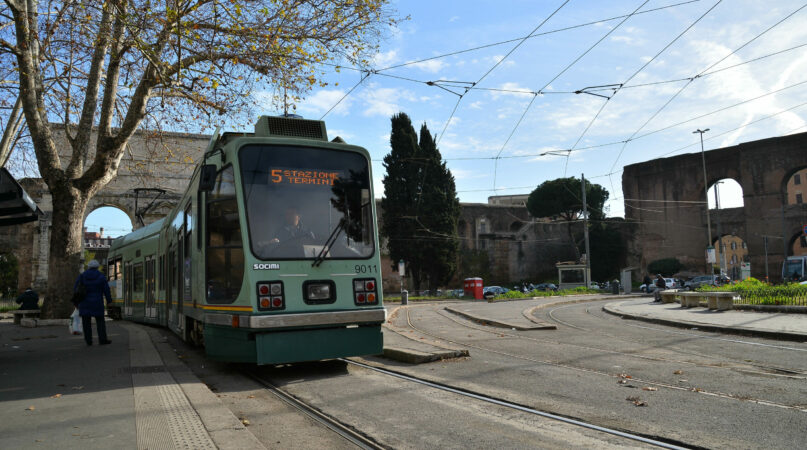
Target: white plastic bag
[{"x": 75, "y": 326}]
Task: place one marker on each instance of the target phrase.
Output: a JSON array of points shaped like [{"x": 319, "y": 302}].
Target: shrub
[{"x": 666, "y": 266}]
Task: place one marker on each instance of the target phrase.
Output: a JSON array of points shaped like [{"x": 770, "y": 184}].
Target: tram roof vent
[{"x": 291, "y": 126}]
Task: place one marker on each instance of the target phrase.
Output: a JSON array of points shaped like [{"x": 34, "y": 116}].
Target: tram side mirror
[{"x": 207, "y": 177}]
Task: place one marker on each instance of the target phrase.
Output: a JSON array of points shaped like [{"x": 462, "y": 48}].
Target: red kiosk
[{"x": 473, "y": 286}]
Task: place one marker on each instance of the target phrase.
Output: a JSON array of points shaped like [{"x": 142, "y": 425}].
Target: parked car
[
  {"x": 671, "y": 283},
  {"x": 492, "y": 291},
  {"x": 458, "y": 292},
  {"x": 545, "y": 287},
  {"x": 701, "y": 280}
]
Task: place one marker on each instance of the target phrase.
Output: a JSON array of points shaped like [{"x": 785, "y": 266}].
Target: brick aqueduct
[
  {"x": 665, "y": 197},
  {"x": 515, "y": 246}
]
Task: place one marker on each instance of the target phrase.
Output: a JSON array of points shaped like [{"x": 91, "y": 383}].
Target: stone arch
[
  {"x": 97, "y": 203},
  {"x": 794, "y": 186},
  {"x": 730, "y": 193},
  {"x": 515, "y": 226},
  {"x": 737, "y": 253},
  {"x": 797, "y": 245}
]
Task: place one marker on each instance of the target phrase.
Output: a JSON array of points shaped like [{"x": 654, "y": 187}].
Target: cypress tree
[
  {"x": 439, "y": 210},
  {"x": 420, "y": 206}
]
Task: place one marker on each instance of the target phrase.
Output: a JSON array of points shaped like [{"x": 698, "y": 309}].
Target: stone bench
[
  {"x": 690, "y": 299},
  {"x": 668, "y": 296},
  {"x": 24, "y": 314},
  {"x": 721, "y": 301}
]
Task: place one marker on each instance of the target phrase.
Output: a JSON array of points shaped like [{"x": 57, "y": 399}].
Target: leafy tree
[
  {"x": 420, "y": 206},
  {"x": 99, "y": 67},
  {"x": 608, "y": 250},
  {"x": 563, "y": 197}
]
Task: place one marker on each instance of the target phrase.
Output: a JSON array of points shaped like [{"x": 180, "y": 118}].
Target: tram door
[
  {"x": 151, "y": 309},
  {"x": 180, "y": 263},
  {"x": 127, "y": 289},
  {"x": 172, "y": 282}
]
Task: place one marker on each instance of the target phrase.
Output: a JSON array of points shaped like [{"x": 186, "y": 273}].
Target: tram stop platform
[
  {"x": 791, "y": 326},
  {"x": 57, "y": 392}
]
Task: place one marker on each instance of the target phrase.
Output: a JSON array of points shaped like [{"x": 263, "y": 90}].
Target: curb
[
  {"x": 33, "y": 323},
  {"x": 742, "y": 331},
  {"x": 410, "y": 356},
  {"x": 496, "y": 323}
]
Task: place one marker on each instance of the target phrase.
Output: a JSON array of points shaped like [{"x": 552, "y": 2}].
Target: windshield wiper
[{"x": 331, "y": 239}]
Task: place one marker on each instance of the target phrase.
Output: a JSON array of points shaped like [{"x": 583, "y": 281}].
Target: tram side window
[
  {"x": 137, "y": 277},
  {"x": 224, "y": 267}
]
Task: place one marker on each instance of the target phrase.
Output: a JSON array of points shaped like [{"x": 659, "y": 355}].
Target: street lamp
[{"x": 706, "y": 197}]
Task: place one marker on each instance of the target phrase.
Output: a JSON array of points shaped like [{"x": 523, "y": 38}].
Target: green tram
[{"x": 270, "y": 257}]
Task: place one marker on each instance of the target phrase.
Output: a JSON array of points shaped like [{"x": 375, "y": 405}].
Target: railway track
[
  {"x": 647, "y": 382},
  {"x": 348, "y": 433},
  {"x": 366, "y": 442},
  {"x": 521, "y": 408}
]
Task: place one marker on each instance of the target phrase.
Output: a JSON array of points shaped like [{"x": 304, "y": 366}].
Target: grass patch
[{"x": 756, "y": 292}]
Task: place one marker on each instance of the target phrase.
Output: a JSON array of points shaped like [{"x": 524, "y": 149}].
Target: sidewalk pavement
[
  {"x": 59, "y": 393},
  {"x": 775, "y": 325}
]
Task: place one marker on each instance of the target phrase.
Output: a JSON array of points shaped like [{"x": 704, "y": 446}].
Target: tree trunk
[
  {"x": 574, "y": 243},
  {"x": 66, "y": 246}
]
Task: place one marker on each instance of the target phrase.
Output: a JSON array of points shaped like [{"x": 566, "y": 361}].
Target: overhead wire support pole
[{"x": 706, "y": 196}]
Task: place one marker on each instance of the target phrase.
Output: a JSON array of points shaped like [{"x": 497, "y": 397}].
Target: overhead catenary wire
[
  {"x": 568, "y": 66},
  {"x": 440, "y": 137},
  {"x": 647, "y": 63},
  {"x": 700, "y": 74}
]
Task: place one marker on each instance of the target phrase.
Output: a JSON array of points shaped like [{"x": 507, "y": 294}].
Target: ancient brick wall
[{"x": 666, "y": 198}]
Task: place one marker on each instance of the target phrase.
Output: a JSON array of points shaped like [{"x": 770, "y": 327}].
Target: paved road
[{"x": 686, "y": 386}]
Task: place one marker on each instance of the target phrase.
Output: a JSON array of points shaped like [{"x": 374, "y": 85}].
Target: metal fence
[
  {"x": 8, "y": 304},
  {"x": 793, "y": 295}
]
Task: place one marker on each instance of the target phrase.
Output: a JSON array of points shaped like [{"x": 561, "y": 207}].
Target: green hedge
[{"x": 756, "y": 292}]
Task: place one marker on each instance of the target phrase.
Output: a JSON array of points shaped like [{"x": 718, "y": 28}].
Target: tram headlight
[
  {"x": 318, "y": 291},
  {"x": 277, "y": 288}
]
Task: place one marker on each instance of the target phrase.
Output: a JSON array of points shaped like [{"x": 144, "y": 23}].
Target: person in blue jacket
[{"x": 93, "y": 304}]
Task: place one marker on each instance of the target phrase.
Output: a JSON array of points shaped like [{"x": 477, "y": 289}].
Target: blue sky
[{"x": 502, "y": 116}]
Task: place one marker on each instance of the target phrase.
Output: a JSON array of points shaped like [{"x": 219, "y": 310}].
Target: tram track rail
[
  {"x": 653, "y": 383},
  {"x": 766, "y": 369},
  {"x": 522, "y": 408},
  {"x": 348, "y": 433}
]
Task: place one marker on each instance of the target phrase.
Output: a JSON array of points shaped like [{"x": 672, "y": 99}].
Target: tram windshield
[{"x": 307, "y": 203}]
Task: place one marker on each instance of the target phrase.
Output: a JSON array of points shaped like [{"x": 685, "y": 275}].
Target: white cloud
[
  {"x": 385, "y": 59},
  {"x": 323, "y": 100},
  {"x": 431, "y": 66},
  {"x": 511, "y": 89},
  {"x": 384, "y": 101}
]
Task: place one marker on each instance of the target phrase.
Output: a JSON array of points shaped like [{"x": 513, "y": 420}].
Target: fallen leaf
[
  {"x": 245, "y": 422},
  {"x": 622, "y": 381},
  {"x": 636, "y": 401},
  {"x": 678, "y": 372},
  {"x": 250, "y": 396},
  {"x": 56, "y": 396},
  {"x": 682, "y": 381},
  {"x": 30, "y": 408},
  {"x": 697, "y": 390},
  {"x": 648, "y": 388}
]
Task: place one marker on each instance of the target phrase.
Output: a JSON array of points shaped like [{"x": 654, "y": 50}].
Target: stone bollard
[{"x": 404, "y": 297}]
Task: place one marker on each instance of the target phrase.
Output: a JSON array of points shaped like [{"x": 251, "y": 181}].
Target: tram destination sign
[{"x": 304, "y": 176}]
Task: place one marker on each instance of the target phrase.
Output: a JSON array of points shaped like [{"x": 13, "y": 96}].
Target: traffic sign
[{"x": 804, "y": 229}]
